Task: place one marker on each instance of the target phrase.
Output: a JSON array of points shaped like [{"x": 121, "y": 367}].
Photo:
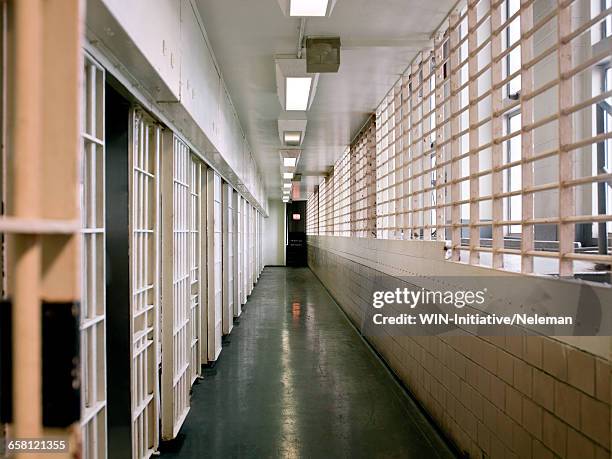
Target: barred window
[{"x": 496, "y": 140}]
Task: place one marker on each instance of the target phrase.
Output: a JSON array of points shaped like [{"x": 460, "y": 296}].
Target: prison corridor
[{"x": 297, "y": 380}]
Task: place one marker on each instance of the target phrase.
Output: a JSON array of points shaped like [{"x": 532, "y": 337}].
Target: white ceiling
[{"x": 379, "y": 38}]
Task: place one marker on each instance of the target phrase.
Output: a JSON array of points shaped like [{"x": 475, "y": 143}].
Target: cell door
[
  {"x": 176, "y": 328},
  {"x": 215, "y": 263},
  {"x": 245, "y": 254},
  {"x": 260, "y": 244},
  {"x": 93, "y": 295},
  {"x": 251, "y": 248},
  {"x": 197, "y": 287},
  {"x": 247, "y": 249},
  {"x": 145, "y": 144},
  {"x": 236, "y": 265},
  {"x": 228, "y": 258}
]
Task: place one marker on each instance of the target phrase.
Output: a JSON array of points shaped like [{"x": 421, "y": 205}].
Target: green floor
[{"x": 297, "y": 381}]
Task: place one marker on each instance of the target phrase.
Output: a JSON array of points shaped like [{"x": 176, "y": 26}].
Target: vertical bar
[
  {"x": 473, "y": 135},
  {"x": 527, "y": 85},
  {"x": 370, "y": 146},
  {"x": 26, "y": 254},
  {"x": 415, "y": 124},
  {"x": 455, "y": 82},
  {"x": 427, "y": 125},
  {"x": 566, "y": 129},
  {"x": 497, "y": 126},
  {"x": 440, "y": 126}
]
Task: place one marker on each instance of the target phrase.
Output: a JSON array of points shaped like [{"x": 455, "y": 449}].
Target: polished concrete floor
[{"x": 295, "y": 380}]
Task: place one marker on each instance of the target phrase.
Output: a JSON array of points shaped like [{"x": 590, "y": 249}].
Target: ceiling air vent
[{"x": 322, "y": 54}]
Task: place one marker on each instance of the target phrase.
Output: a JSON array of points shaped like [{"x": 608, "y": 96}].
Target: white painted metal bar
[
  {"x": 93, "y": 267},
  {"x": 215, "y": 264},
  {"x": 228, "y": 258},
  {"x": 196, "y": 278},
  {"x": 251, "y": 248},
  {"x": 205, "y": 287},
  {"x": 245, "y": 250},
  {"x": 145, "y": 144},
  {"x": 241, "y": 255},
  {"x": 237, "y": 260},
  {"x": 176, "y": 285}
]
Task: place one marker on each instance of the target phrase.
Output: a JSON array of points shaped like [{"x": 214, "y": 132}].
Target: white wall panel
[
  {"x": 201, "y": 86},
  {"x": 274, "y": 229},
  {"x": 163, "y": 55},
  {"x": 156, "y": 33}
]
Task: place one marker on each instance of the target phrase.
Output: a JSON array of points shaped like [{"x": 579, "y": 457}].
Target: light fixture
[
  {"x": 308, "y": 7},
  {"x": 288, "y": 175},
  {"x": 295, "y": 87},
  {"x": 297, "y": 93},
  {"x": 292, "y": 138},
  {"x": 287, "y": 185},
  {"x": 289, "y": 162},
  {"x": 291, "y": 131}
]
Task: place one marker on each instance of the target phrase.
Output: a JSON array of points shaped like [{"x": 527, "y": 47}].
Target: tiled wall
[{"x": 498, "y": 397}]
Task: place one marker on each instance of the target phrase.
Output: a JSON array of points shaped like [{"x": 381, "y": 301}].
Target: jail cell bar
[
  {"x": 228, "y": 258},
  {"x": 197, "y": 252},
  {"x": 245, "y": 250},
  {"x": 93, "y": 277},
  {"x": 145, "y": 145},
  {"x": 260, "y": 262},
  {"x": 237, "y": 255},
  {"x": 251, "y": 248},
  {"x": 176, "y": 329},
  {"x": 41, "y": 220},
  {"x": 215, "y": 263}
]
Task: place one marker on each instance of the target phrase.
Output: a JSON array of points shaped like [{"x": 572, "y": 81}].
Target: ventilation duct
[{"x": 322, "y": 54}]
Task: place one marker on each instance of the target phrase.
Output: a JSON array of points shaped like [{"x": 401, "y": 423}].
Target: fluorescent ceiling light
[
  {"x": 293, "y": 138},
  {"x": 308, "y": 7},
  {"x": 289, "y": 162},
  {"x": 297, "y": 93},
  {"x": 288, "y": 175},
  {"x": 287, "y": 185}
]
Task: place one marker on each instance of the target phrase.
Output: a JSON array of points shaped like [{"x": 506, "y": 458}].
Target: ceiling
[{"x": 379, "y": 39}]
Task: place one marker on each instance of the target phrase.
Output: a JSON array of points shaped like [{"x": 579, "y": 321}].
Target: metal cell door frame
[
  {"x": 228, "y": 258},
  {"x": 93, "y": 273},
  {"x": 259, "y": 244},
  {"x": 236, "y": 266},
  {"x": 244, "y": 244},
  {"x": 176, "y": 285},
  {"x": 215, "y": 264},
  {"x": 204, "y": 270},
  {"x": 144, "y": 251},
  {"x": 196, "y": 278},
  {"x": 251, "y": 248}
]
